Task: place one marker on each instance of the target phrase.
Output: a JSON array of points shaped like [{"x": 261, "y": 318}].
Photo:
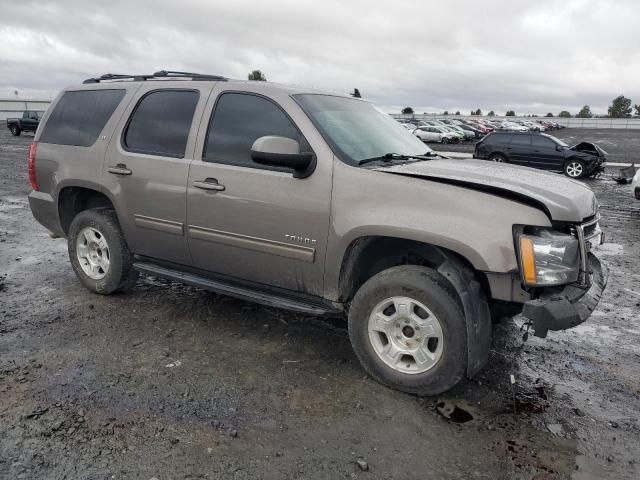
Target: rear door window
[
  {"x": 542, "y": 142},
  {"x": 160, "y": 123},
  {"x": 79, "y": 117},
  {"x": 521, "y": 140}
]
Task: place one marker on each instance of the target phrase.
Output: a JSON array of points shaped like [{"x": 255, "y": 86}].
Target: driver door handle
[
  {"x": 209, "y": 184},
  {"x": 119, "y": 169}
]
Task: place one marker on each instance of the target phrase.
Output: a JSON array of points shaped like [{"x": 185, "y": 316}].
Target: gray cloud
[{"x": 529, "y": 56}]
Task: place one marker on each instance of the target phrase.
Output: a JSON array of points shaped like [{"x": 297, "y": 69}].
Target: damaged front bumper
[{"x": 569, "y": 307}]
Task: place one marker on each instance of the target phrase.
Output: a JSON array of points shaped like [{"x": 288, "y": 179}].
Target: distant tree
[
  {"x": 473, "y": 112},
  {"x": 585, "y": 112},
  {"x": 356, "y": 93},
  {"x": 446, "y": 112},
  {"x": 407, "y": 111},
  {"x": 637, "y": 107},
  {"x": 510, "y": 113},
  {"x": 457, "y": 112},
  {"x": 620, "y": 107},
  {"x": 564, "y": 114},
  {"x": 549, "y": 114},
  {"x": 478, "y": 112},
  {"x": 491, "y": 113},
  {"x": 257, "y": 75}
]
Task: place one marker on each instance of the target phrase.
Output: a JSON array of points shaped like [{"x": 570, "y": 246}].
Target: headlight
[{"x": 548, "y": 258}]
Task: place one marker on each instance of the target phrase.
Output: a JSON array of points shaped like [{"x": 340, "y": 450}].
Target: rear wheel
[
  {"x": 15, "y": 131},
  {"x": 574, "y": 169},
  {"x": 98, "y": 252},
  {"x": 408, "y": 330},
  {"x": 444, "y": 140},
  {"x": 497, "y": 157},
  {"x": 637, "y": 193}
]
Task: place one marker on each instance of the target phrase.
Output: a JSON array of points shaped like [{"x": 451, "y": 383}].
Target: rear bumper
[
  {"x": 570, "y": 306},
  {"x": 45, "y": 211}
]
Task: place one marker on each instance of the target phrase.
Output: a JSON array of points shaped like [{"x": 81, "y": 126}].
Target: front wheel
[
  {"x": 574, "y": 169},
  {"x": 496, "y": 157},
  {"x": 407, "y": 327},
  {"x": 98, "y": 252},
  {"x": 445, "y": 140}
]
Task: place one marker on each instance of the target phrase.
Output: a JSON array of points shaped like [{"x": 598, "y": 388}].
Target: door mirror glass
[{"x": 282, "y": 152}]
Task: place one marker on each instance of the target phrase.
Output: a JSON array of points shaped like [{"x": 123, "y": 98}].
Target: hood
[
  {"x": 561, "y": 198},
  {"x": 589, "y": 147}
]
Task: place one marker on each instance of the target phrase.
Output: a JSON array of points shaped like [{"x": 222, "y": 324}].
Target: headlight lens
[{"x": 548, "y": 258}]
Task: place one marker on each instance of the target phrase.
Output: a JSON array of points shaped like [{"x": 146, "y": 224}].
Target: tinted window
[
  {"x": 497, "y": 138},
  {"x": 521, "y": 140},
  {"x": 542, "y": 142},
  {"x": 79, "y": 117},
  {"x": 161, "y": 122},
  {"x": 238, "y": 121}
]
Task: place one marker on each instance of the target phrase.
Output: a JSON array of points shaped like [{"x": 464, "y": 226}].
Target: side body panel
[
  {"x": 370, "y": 203},
  {"x": 61, "y": 166},
  {"x": 266, "y": 226},
  {"x": 151, "y": 201}
]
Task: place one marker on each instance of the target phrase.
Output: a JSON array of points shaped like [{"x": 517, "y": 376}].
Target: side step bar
[{"x": 268, "y": 298}]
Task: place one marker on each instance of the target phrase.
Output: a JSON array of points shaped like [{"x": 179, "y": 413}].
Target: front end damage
[{"x": 560, "y": 308}]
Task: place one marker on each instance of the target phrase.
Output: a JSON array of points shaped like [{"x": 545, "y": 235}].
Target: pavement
[{"x": 172, "y": 382}]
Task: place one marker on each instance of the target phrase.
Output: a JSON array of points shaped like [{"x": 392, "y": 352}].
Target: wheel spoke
[
  {"x": 380, "y": 323},
  {"x": 82, "y": 250},
  {"x": 423, "y": 356},
  {"x": 393, "y": 353}
]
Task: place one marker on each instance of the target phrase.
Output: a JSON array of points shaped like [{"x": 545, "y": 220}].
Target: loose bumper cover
[{"x": 569, "y": 307}]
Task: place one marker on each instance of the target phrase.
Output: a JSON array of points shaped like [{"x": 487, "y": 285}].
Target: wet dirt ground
[{"x": 172, "y": 382}]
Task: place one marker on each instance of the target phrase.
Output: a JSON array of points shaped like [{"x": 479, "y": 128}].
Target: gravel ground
[{"x": 172, "y": 382}]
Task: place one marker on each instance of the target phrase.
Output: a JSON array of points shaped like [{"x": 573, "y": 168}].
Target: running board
[{"x": 243, "y": 292}]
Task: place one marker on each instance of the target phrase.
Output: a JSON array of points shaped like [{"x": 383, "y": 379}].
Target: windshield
[{"x": 356, "y": 130}]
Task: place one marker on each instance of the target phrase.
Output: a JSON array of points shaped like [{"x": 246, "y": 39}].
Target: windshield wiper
[{"x": 388, "y": 157}]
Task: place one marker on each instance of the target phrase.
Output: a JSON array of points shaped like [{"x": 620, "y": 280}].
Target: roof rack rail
[{"x": 157, "y": 75}]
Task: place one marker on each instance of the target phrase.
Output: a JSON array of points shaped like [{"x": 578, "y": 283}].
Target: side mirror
[
  {"x": 282, "y": 152},
  {"x": 558, "y": 148}
]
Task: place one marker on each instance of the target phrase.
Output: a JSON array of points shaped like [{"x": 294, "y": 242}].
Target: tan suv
[{"x": 317, "y": 203}]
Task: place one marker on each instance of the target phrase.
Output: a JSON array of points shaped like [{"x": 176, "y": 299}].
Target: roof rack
[{"x": 157, "y": 75}]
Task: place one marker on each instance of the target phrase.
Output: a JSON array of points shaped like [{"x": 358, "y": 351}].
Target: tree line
[{"x": 620, "y": 108}]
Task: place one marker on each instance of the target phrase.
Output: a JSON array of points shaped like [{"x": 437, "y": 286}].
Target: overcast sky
[{"x": 530, "y": 56}]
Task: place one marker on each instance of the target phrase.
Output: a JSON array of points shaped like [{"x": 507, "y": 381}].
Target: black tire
[
  {"x": 571, "y": 167},
  {"x": 637, "y": 193},
  {"x": 120, "y": 275},
  {"x": 15, "y": 130},
  {"x": 430, "y": 288},
  {"x": 498, "y": 158},
  {"x": 445, "y": 140}
]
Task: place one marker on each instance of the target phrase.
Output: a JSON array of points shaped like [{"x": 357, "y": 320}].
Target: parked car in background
[
  {"x": 27, "y": 123},
  {"x": 432, "y": 133},
  {"x": 539, "y": 150},
  {"x": 513, "y": 127},
  {"x": 474, "y": 132}
]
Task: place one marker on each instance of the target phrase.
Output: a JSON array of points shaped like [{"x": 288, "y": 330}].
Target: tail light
[{"x": 32, "y": 166}]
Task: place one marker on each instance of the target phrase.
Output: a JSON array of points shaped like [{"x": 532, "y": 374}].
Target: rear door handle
[
  {"x": 209, "y": 184},
  {"x": 119, "y": 169}
]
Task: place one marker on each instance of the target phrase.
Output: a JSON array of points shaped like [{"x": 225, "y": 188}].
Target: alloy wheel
[
  {"x": 92, "y": 251},
  {"x": 406, "y": 335},
  {"x": 574, "y": 169}
]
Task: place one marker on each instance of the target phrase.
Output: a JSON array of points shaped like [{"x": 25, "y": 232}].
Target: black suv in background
[{"x": 538, "y": 150}]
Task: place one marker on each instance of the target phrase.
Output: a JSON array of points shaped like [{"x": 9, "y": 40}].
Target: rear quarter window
[
  {"x": 496, "y": 138},
  {"x": 79, "y": 117}
]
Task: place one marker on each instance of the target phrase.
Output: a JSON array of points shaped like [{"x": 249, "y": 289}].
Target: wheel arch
[
  {"x": 369, "y": 255},
  {"x": 74, "y": 199}
]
